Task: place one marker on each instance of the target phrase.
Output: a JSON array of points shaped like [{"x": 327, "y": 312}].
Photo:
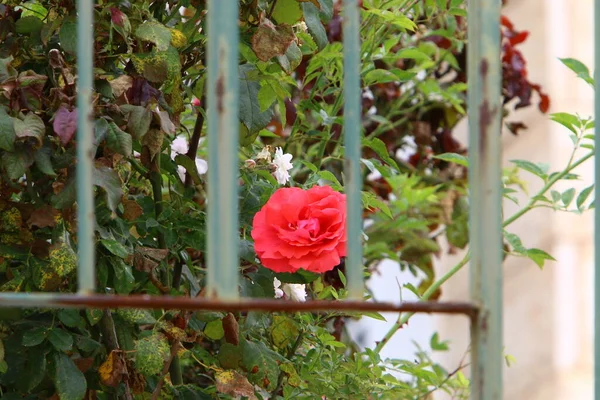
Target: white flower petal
[
  {"x": 295, "y": 291},
  {"x": 201, "y": 166},
  {"x": 282, "y": 163}
]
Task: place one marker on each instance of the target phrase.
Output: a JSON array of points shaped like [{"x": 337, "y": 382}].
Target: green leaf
[
  {"x": 567, "y": 196},
  {"x": 263, "y": 364},
  {"x": 528, "y": 166},
  {"x": 585, "y": 193},
  {"x": 515, "y": 242},
  {"x": 395, "y": 18},
  {"x": 250, "y": 113},
  {"x": 35, "y": 336},
  {"x": 28, "y": 25},
  {"x": 291, "y": 59},
  {"x": 284, "y": 331},
  {"x": 60, "y": 339},
  {"x": 230, "y": 356},
  {"x": 214, "y": 330},
  {"x": 138, "y": 120},
  {"x": 569, "y": 121},
  {"x": 579, "y": 68},
  {"x": 15, "y": 164},
  {"x": 538, "y": 256},
  {"x": 68, "y": 37},
  {"x": 94, "y": 315},
  {"x": 377, "y": 76},
  {"x": 35, "y": 368},
  {"x": 266, "y": 96},
  {"x": 31, "y": 126},
  {"x": 287, "y": 12},
  {"x": 7, "y": 131},
  {"x": 190, "y": 167},
  {"x": 315, "y": 27},
  {"x": 436, "y": 344},
  {"x": 69, "y": 381},
  {"x": 329, "y": 176},
  {"x": 379, "y": 147},
  {"x": 154, "y": 32},
  {"x": 453, "y": 158},
  {"x": 124, "y": 281},
  {"x": 108, "y": 179},
  {"x": 71, "y": 318},
  {"x": 118, "y": 141},
  {"x": 43, "y": 160}
]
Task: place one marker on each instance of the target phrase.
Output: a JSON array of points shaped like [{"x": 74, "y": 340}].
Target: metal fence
[{"x": 484, "y": 108}]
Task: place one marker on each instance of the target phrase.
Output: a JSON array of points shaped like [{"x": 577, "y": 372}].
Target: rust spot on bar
[
  {"x": 220, "y": 91},
  {"x": 187, "y": 303},
  {"x": 483, "y": 68}
]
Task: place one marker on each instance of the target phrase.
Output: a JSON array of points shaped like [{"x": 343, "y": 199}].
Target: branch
[
  {"x": 195, "y": 139},
  {"x": 290, "y": 354},
  {"x": 165, "y": 370}
]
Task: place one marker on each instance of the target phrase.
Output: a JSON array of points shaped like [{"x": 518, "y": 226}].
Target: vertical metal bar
[
  {"x": 597, "y": 204},
  {"x": 352, "y": 130},
  {"x": 485, "y": 113},
  {"x": 86, "y": 269},
  {"x": 223, "y": 126}
]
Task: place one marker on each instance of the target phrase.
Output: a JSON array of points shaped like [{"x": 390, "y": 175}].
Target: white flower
[
  {"x": 283, "y": 165},
  {"x": 293, "y": 291},
  {"x": 265, "y": 154},
  {"x": 179, "y": 146},
  {"x": 276, "y": 287}
]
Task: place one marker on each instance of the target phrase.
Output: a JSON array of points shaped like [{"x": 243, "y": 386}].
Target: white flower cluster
[
  {"x": 293, "y": 291},
  {"x": 281, "y": 163}
]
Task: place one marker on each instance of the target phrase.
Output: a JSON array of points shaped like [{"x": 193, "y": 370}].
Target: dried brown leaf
[
  {"x": 234, "y": 384},
  {"x": 113, "y": 369},
  {"x": 269, "y": 40}
]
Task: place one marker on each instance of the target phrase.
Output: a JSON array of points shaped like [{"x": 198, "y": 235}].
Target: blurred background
[{"x": 548, "y": 314}]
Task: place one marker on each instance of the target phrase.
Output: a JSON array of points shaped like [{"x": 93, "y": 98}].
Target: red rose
[{"x": 301, "y": 229}]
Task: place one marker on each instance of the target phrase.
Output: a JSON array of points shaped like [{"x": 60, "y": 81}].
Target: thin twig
[{"x": 195, "y": 139}]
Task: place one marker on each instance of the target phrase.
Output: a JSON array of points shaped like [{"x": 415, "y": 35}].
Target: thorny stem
[{"x": 404, "y": 318}]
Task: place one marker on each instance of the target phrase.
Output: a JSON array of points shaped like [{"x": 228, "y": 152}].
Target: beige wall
[{"x": 548, "y": 314}]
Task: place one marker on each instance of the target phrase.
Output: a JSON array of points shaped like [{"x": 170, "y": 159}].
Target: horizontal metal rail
[{"x": 52, "y": 300}]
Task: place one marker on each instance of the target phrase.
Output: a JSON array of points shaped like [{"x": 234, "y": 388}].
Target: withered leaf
[
  {"x": 269, "y": 40},
  {"x": 231, "y": 329},
  {"x": 146, "y": 259},
  {"x": 234, "y": 384},
  {"x": 43, "y": 217},
  {"x": 121, "y": 85},
  {"x": 113, "y": 369},
  {"x": 131, "y": 209}
]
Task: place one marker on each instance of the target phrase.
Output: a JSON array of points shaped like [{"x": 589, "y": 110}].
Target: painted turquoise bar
[
  {"x": 352, "y": 130},
  {"x": 597, "y": 205},
  {"x": 485, "y": 113},
  {"x": 86, "y": 275},
  {"x": 223, "y": 127}
]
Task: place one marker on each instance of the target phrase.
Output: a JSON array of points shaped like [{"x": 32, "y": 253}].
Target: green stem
[
  {"x": 403, "y": 318},
  {"x": 546, "y": 187}
]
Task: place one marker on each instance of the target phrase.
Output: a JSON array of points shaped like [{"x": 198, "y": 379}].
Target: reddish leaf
[{"x": 65, "y": 124}]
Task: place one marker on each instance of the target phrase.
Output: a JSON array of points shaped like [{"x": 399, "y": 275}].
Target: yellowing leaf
[{"x": 234, "y": 384}]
